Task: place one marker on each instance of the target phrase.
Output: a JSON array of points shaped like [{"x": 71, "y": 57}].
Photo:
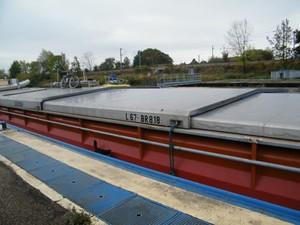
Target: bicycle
[{"x": 69, "y": 80}]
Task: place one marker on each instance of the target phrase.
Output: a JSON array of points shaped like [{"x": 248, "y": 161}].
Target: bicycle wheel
[
  {"x": 74, "y": 82},
  {"x": 63, "y": 82}
]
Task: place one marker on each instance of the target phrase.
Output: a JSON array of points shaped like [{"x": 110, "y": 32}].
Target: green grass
[
  {"x": 234, "y": 76},
  {"x": 209, "y": 72}
]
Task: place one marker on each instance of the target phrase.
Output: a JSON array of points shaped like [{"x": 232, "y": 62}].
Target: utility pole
[
  {"x": 212, "y": 51},
  {"x": 121, "y": 60}
]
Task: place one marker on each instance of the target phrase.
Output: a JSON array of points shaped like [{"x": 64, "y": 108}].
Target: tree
[
  {"x": 216, "y": 60},
  {"x": 46, "y": 60},
  {"x": 15, "y": 69},
  {"x": 238, "y": 38},
  {"x": 108, "y": 64},
  {"x": 150, "y": 57},
  {"x": 297, "y": 44},
  {"x": 259, "y": 54},
  {"x": 194, "y": 62},
  {"x": 75, "y": 66},
  {"x": 88, "y": 60},
  {"x": 50, "y": 64},
  {"x": 2, "y": 73},
  {"x": 95, "y": 68},
  {"x": 126, "y": 62},
  {"x": 281, "y": 41},
  {"x": 225, "y": 54},
  {"x": 61, "y": 63},
  {"x": 35, "y": 72},
  {"x": 35, "y": 67},
  {"x": 118, "y": 64},
  {"x": 24, "y": 66}
]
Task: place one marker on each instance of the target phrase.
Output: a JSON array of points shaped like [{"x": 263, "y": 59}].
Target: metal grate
[
  {"x": 51, "y": 171},
  {"x": 102, "y": 197},
  {"x": 36, "y": 163},
  {"x": 25, "y": 155},
  {"x": 76, "y": 181},
  {"x": 9, "y": 148},
  {"x": 184, "y": 219},
  {"x": 16, "y": 153},
  {"x": 4, "y": 139},
  {"x": 138, "y": 211}
]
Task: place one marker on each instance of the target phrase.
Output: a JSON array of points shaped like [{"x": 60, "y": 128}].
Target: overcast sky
[{"x": 182, "y": 28}]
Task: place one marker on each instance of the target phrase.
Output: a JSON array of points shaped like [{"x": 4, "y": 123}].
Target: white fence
[{"x": 285, "y": 74}]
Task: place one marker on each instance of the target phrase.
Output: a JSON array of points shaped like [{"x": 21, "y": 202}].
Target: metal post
[{"x": 173, "y": 125}]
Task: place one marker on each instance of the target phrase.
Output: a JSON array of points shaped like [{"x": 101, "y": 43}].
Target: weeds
[{"x": 78, "y": 218}]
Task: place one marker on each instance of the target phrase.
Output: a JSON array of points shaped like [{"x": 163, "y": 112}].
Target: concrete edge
[{"x": 49, "y": 192}]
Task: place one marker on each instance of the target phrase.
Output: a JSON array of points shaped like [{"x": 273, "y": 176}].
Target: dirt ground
[{"x": 20, "y": 204}]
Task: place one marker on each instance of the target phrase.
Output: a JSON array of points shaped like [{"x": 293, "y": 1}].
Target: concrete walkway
[{"x": 210, "y": 210}]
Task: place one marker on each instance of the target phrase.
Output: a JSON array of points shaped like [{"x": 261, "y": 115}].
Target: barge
[{"x": 242, "y": 140}]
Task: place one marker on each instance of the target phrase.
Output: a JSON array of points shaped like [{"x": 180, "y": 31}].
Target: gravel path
[{"x": 20, "y": 204}]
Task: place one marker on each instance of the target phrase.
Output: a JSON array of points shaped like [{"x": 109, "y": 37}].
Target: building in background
[{"x": 285, "y": 74}]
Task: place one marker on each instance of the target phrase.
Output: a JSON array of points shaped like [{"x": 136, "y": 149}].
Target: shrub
[{"x": 78, "y": 218}]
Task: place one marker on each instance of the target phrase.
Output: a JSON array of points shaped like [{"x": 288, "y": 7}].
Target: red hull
[{"x": 272, "y": 185}]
